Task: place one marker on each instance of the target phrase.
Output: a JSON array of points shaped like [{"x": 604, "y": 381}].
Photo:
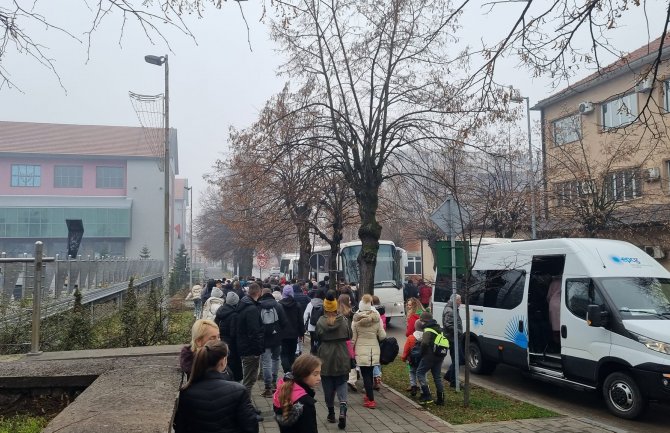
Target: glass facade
[{"x": 50, "y": 222}]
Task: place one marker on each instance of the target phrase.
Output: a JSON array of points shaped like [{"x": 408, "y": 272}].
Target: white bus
[
  {"x": 389, "y": 273},
  {"x": 288, "y": 266}
]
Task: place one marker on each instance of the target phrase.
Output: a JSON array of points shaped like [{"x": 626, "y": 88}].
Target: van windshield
[{"x": 638, "y": 297}]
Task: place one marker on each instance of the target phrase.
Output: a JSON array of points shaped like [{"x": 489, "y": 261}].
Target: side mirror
[{"x": 596, "y": 317}]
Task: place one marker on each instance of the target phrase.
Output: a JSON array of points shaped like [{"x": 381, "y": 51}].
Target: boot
[
  {"x": 343, "y": 416},
  {"x": 440, "y": 399},
  {"x": 414, "y": 390},
  {"x": 331, "y": 414},
  {"x": 425, "y": 398}
]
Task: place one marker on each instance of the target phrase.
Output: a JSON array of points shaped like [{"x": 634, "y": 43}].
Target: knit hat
[
  {"x": 418, "y": 325},
  {"x": 426, "y": 316},
  {"x": 364, "y": 306},
  {"x": 330, "y": 305},
  {"x": 232, "y": 298},
  {"x": 217, "y": 293},
  {"x": 287, "y": 291}
]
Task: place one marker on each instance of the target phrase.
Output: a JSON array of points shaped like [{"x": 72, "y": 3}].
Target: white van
[{"x": 606, "y": 327}]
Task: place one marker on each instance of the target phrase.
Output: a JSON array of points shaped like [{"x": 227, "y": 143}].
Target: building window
[
  {"x": 624, "y": 185},
  {"x": 109, "y": 177},
  {"x": 620, "y": 111},
  {"x": 26, "y": 175},
  {"x": 68, "y": 176},
  {"x": 413, "y": 265},
  {"x": 567, "y": 192},
  {"x": 567, "y": 129}
]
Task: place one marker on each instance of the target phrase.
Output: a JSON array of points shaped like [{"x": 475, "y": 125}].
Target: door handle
[
  {"x": 564, "y": 331},
  {"x": 521, "y": 326}
]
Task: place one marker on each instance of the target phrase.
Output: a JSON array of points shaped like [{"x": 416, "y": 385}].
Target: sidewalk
[{"x": 396, "y": 413}]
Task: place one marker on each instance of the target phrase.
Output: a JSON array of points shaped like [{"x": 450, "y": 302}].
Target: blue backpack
[{"x": 415, "y": 354}]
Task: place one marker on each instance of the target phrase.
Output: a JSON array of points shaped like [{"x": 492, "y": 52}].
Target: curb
[{"x": 417, "y": 406}]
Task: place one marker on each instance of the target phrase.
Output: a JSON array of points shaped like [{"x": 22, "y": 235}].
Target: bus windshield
[
  {"x": 639, "y": 297},
  {"x": 386, "y": 271}
]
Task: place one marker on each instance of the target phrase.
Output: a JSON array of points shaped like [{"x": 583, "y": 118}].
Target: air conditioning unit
[
  {"x": 585, "y": 107},
  {"x": 655, "y": 251},
  {"x": 645, "y": 85},
  {"x": 652, "y": 174}
]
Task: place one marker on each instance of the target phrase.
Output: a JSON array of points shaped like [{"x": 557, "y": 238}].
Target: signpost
[
  {"x": 450, "y": 218},
  {"x": 262, "y": 261}
]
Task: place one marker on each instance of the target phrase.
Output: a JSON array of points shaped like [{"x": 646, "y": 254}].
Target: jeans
[
  {"x": 412, "y": 376},
  {"x": 197, "y": 304},
  {"x": 377, "y": 371},
  {"x": 435, "y": 369},
  {"x": 250, "y": 371},
  {"x": 366, "y": 372},
  {"x": 334, "y": 385},
  {"x": 270, "y": 360},
  {"x": 287, "y": 355}
]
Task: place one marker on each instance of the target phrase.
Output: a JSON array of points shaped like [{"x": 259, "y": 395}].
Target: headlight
[{"x": 655, "y": 345}]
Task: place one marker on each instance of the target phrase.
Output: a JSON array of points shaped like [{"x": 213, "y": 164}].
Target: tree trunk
[
  {"x": 246, "y": 262},
  {"x": 338, "y": 227},
  {"x": 369, "y": 233},
  {"x": 305, "y": 250}
]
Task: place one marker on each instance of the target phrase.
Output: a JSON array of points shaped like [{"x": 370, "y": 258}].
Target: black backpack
[
  {"x": 315, "y": 314},
  {"x": 415, "y": 354},
  {"x": 388, "y": 350}
]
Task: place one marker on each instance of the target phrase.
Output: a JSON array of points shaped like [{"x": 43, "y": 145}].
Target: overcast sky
[{"x": 214, "y": 83}]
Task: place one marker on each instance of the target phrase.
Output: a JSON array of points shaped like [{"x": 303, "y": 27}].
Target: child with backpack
[
  {"x": 434, "y": 347},
  {"x": 293, "y": 402},
  {"x": 411, "y": 354}
]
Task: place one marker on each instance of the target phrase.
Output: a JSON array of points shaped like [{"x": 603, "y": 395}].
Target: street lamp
[
  {"x": 516, "y": 97},
  {"x": 190, "y": 230},
  {"x": 160, "y": 61}
]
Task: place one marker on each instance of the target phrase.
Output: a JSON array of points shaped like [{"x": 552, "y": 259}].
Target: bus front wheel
[{"x": 476, "y": 361}]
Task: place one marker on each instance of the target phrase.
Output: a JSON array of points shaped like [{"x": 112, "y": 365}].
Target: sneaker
[
  {"x": 267, "y": 393},
  {"x": 370, "y": 404},
  {"x": 424, "y": 400}
]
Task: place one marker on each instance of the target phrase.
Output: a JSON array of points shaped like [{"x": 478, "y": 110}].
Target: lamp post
[
  {"x": 163, "y": 61},
  {"x": 190, "y": 231},
  {"x": 516, "y": 97}
]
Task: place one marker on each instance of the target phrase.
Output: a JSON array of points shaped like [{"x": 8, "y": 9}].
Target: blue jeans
[
  {"x": 377, "y": 371},
  {"x": 412, "y": 376},
  {"x": 197, "y": 303},
  {"x": 435, "y": 369},
  {"x": 270, "y": 362}
]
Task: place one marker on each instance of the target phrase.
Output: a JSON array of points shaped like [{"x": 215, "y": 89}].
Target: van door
[{"x": 582, "y": 346}]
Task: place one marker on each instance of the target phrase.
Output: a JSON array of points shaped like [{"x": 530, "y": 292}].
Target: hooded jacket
[
  {"x": 272, "y": 337},
  {"x": 295, "y": 327},
  {"x": 215, "y": 405},
  {"x": 302, "y": 299},
  {"x": 303, "y": 394},
  {"x": 409, "y": 344},
  {"x": 333, "y": 346},
  {"x": 427, "y": 340},
  {"x": 367, "y": 332},
  {"x": 226, "y": 318},
  {"x": 250, "y": 332},
  {"x": 448, "y": 321},
  {"x": 315, "y": 303}
]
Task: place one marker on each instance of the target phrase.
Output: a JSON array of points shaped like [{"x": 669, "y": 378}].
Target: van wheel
[
  {"x": 476, "y": 362},
  {"x": 622, "y": 396}
]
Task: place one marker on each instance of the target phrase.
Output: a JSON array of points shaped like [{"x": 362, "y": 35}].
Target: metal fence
[{"x": 39, "y": 287}]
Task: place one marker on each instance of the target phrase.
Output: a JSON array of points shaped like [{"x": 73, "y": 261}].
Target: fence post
[{"x": 37, "y": 300}]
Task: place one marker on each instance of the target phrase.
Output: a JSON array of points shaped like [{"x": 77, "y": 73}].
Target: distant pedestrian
[
  {"x": 250, "y": 334},
  {"x": 410, "y": 290},
  {"x": 430, "y": 361},
  {"x": 332, "y": 332},
  {"x": 300, "y": 297},
  {"x": 194, "y": 295},
  {"x": 377, "y": 371},
  {"x": 213, "y": 303},
  {"x": 293, "y": 402},
  {"x": 425, "y": 294},
  {"x": 273, "y": 320},
  {"x": 294, "y": 329},
  {"x": 311, "y": 316},
  {"x": 226, "y": 318},
  {"x": 449, "y": 317},
  {"x": 209, "y": 403},
  {"x": 366, "y": 335},
  {"x": 344, "y": 308},
  {"x": 414, "y": 310},
  {"x": 207, "y": 291}
]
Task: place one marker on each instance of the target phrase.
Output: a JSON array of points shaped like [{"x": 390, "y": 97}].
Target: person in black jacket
[
  {"x": 226, "y": 318},
  {"x": 300, "y": 297},
  {"x": 250, "y": 334},
  {"x": 294, "y": 329},
  {"x": 210, "y": 404},
  {"x": 430, "y": 362},
  {"x": 272, "y": 313},
  {"x": 293, "y": 402}
]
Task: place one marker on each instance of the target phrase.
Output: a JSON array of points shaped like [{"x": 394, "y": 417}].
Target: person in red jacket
[
  {"x": 414, "y": 310},
  {"x": 425, "y": 294}
]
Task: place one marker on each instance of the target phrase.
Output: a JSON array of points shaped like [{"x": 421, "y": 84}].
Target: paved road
[{"x": 510, "y": 381}]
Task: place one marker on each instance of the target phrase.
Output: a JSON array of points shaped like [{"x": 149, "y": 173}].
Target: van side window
[
  {"x": 579, "y": 294},
  {"x": 498, "y": 288}
]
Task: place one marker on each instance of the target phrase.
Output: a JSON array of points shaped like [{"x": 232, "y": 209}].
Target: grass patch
[
  {"x": 23, "y": 424},
  {"x": 485, "y": 405}
]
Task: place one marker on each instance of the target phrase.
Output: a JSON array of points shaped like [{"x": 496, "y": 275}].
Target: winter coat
[
  {"x": 195, "y": 293},
  {"x": 294, "y": 327},
  {"x": 304, "y": 395},
  {"x": 333, "y": 346},
  {"x": 425, "y": 293},
  {"x": 250, "y": 332},
  {"x": 367, "y": 332},
  {"x": 207, "y": 292},
  {"x": 410, "y": 290},
  {"x": 410, "y": 342},
  {"x": 448, "y": 321},
  {"x": 316, "y": 302},
  {"x": 226, "y": 318},
  {"x": 411, "y": 321},
  {"x": 302, "y": 300},
  {"x": 272, "y": 337},
  {"x": 427, "y": 355},
  {"x": 186, "y": 360},
  {"x": 215, "y": 405}
]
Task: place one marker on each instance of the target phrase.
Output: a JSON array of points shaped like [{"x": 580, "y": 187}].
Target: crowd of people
[{"x": 246, "y": 330}]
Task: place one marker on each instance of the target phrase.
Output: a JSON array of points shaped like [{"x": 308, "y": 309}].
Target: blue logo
[
  {"x": 626, "y": 260},
  {"x": 512, "y": 332},
  {"x": 477, "y": 321}
]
